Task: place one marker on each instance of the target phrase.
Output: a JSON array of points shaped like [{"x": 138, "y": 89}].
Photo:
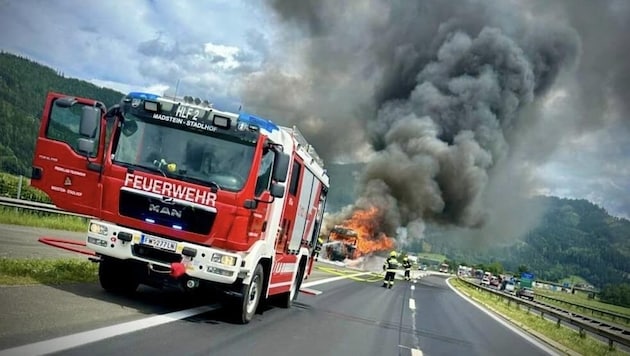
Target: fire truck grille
[
  {"x": 155, "y": 254},
  {"x": 153, "y": 210}
]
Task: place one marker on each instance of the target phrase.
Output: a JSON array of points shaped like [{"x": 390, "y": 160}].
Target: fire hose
[{"x": 66, "y": 245}]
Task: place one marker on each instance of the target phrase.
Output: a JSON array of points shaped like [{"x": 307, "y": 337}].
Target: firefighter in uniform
[
  {"x": 407, "y": 266},
  {"x": 390, "y": 265},
  {"x": 318, "y": 247}
]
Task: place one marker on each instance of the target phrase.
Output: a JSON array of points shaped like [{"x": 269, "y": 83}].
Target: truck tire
[
  {"x": 251, "y": 295},
  {"x": 287, "y": 299},
  {"x": 116, "y": 276}
]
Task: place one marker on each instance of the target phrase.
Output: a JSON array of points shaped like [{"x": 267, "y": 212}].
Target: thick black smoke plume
[{"x": 444, "y": 97}]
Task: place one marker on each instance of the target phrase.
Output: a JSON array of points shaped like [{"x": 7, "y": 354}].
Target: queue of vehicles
[{"x": 507, "y": 284}]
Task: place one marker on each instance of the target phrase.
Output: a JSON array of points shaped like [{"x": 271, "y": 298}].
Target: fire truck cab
[{"x": 184, "y": 195}]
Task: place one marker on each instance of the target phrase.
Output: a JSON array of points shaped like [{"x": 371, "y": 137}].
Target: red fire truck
[{"x": 185, "y": 195}]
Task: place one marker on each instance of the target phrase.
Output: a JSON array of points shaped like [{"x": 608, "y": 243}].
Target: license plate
[{"x": 159, "y": 242}]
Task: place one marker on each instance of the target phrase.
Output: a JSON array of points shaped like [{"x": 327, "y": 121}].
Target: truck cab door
[{"x": 69, "y": 153}]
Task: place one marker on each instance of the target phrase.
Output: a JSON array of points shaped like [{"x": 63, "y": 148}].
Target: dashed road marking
[
  {"x": 416, "y": 352},
  {"x": 412, "y": 304},
  {"x": 413, "y": 287}
]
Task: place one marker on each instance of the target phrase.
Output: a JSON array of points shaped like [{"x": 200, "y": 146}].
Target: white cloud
[{"x": 137, "y": 44}]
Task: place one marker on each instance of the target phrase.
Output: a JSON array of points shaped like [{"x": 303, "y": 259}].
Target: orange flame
[{"x": 368, "y": 237}]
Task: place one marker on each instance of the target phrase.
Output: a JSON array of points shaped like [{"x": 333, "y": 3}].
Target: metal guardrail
[
  {"x": 26, "y": 204},
  {"x": 610, "y": 332},
  {"x": 614, "y": 316}
]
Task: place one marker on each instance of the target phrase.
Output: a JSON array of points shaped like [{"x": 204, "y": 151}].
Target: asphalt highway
[{"x": 353, "y": 315}]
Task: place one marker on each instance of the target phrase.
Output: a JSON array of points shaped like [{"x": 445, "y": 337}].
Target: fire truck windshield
[{"x": 203, "y": 159}]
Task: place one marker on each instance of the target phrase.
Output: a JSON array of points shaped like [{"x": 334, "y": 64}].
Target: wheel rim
[{"x": 252, "y": 297}]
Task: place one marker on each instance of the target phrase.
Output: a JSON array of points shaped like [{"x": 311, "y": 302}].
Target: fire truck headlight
[
  {"x": 98, "y": 229},
  {"x": 223, "y": 259}
]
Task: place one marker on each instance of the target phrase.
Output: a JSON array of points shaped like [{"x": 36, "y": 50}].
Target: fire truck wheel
[
  {"x": 251, "y": 296},
  {"x": 115, "y": 276}
]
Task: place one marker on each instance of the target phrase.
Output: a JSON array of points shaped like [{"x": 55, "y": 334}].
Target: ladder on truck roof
[{"x": 303, "y": 145}]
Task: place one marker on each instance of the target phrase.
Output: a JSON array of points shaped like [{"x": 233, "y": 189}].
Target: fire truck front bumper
[{"x": 202, "y": 262}]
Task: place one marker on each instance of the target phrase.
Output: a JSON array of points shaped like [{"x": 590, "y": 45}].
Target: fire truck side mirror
[
  {"x": 277, "y": 190},
  {"x": 90, "y": 118},
  {"x": 280, "y": 168},
  {"x": 65, "y": 102},
  {"x": 86, "y": 145},
  {"x": 112, "y": 112}
]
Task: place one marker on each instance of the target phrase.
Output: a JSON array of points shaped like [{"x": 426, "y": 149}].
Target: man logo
[
  {"x": 156, "y": 208},
  {"x": 168, "y": 200}
]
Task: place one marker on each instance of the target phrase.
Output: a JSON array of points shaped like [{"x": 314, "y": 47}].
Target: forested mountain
[
  {"x": 575, "y": 237},
  {"x": 23, "y": 88}
]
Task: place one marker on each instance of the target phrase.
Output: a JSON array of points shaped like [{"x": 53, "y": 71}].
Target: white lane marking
[
  {"x": 332, "y": 279},
  {"x": 86, "y": 337},
  {"x": 311, "y": 291},
  {"x": 413, "y": 287},
  {"x": 414, "y": 352},
  {"x": 504, "y": 322},
  {"x": 412, "y": 304}
]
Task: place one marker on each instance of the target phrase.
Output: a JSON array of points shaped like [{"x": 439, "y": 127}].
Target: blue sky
[{"x": 215, "y": 49}]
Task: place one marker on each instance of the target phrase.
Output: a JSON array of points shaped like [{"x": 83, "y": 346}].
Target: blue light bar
[
  {"x": 149, "y": 220},
  {"x": 141, "y": 95},
  {"x": 258, "y": 121},
  {"x": 177, "y": 227}
]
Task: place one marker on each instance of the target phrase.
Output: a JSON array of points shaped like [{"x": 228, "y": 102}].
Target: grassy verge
[
  {"x": 25, "y": 217},
  {"x": 35, "y": 271},
  {"x": 562, "y": 335},
  {"x": 582, "y": 299}
]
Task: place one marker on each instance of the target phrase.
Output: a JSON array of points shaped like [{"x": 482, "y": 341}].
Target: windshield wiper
[
  {"x": 142, "y": 168},
  {"x": 213, "y": 185}
]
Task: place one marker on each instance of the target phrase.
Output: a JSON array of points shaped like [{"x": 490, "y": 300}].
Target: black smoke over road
[{"x": 446, "y": 98}]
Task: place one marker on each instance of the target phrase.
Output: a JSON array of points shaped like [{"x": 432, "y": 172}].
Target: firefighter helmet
[
  {"x": 405, "y": 258},
  {"x": 392, "y": 254}
]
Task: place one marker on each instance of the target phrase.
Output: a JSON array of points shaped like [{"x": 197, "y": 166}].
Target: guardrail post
[
  {"x": 582, "y": 333},
  {"x": 611, "y": 345},
  {"x": 558, "y": 323},
  {"x": 19, "y": 190}
]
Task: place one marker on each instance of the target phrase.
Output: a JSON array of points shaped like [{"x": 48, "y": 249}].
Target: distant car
[
  {"x": 509, "y": 287},
  {"x": 495, "y": 282},
  {"x": 485, "y": 281},
  {"x": 526, "y": 293}
]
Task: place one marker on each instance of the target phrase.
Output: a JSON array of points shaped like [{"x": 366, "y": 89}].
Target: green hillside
[
  {"x": 23, "y": 88},
  {"x": 574, "y": 238}
]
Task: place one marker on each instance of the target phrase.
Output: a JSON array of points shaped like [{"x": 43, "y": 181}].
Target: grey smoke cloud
[{"x": 448, "y": 95}]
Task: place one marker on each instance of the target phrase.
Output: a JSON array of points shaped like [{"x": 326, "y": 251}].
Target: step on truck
[{"x": 184, "y": 195}]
